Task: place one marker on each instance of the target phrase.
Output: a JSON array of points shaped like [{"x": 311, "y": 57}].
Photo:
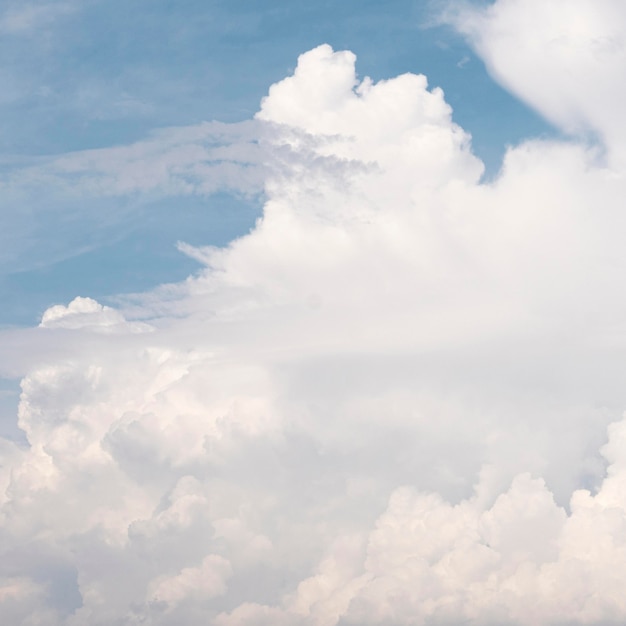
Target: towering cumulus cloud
[{"x": 397, "y": 400}]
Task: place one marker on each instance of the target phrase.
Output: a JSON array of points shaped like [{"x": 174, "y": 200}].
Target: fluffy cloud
[
  {"x": 384, "y": 405},
  {"x": 87, "y": 313},
  {"x": 579, "y": 48}
]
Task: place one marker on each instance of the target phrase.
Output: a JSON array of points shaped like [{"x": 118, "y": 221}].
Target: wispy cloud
[
  {"x": 51, "y": 203},
  {"x": 28, "y": 17}
]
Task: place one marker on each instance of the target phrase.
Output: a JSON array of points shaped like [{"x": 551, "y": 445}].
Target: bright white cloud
[
  {"x": 384, "y": 405},
  {"x": 86, "y": 313},
  {"x": 561, "y": 58}
]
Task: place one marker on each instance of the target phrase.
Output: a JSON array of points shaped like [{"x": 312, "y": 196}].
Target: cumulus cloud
[
  {"x": 86, "y": 313},
  {"x": 397, "y": 400}
]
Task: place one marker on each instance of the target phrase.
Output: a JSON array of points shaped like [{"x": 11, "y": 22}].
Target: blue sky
[{"x": 85, "y": 75}]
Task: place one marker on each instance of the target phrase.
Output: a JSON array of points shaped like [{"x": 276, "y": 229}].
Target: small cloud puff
[{"x": 87, "y": 314}]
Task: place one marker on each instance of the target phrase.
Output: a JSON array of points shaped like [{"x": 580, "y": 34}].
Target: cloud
[
  {"x": 205, "y": 581},
  {"x": 185, "y": 160},
  {"x": 397, "y": 400},
  {"x": 524, "y": 560},
  {"x": 562, "y": 60},
  {"x": 86, "y": 313},
  {"x": 27, "y": 18},
  {"x": 56, "y": 207}
]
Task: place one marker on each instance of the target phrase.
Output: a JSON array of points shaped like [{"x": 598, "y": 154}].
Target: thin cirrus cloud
[
  {"x": 71, "y": 195},
  {"x": 397, "y": 400},
  {"x": 26, "y": 18}
]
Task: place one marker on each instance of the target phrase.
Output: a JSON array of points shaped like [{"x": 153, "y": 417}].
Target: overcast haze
[{"x": 313, "y": 314}]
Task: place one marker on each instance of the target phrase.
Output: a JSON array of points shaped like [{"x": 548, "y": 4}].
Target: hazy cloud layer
[{"x": 398, "y": 400}]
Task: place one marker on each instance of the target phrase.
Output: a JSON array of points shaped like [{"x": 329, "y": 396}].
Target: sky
[
  {"x": 312, "y": 313},
  {"x": 82, "y": 76}
]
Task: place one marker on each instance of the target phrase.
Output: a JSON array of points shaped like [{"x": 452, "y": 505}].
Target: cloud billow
[{"x": 397, "y": 400}]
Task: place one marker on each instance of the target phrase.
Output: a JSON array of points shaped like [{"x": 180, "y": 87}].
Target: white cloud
[
  {"x": 561, "y": 58},
  {"x": 384, "y": 405},
  {"x": 86, "y": 313},
  {"x": 205, "y": 581}
]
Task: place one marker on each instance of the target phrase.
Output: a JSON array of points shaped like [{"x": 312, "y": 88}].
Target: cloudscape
[{"x": 394, "y": 396}]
